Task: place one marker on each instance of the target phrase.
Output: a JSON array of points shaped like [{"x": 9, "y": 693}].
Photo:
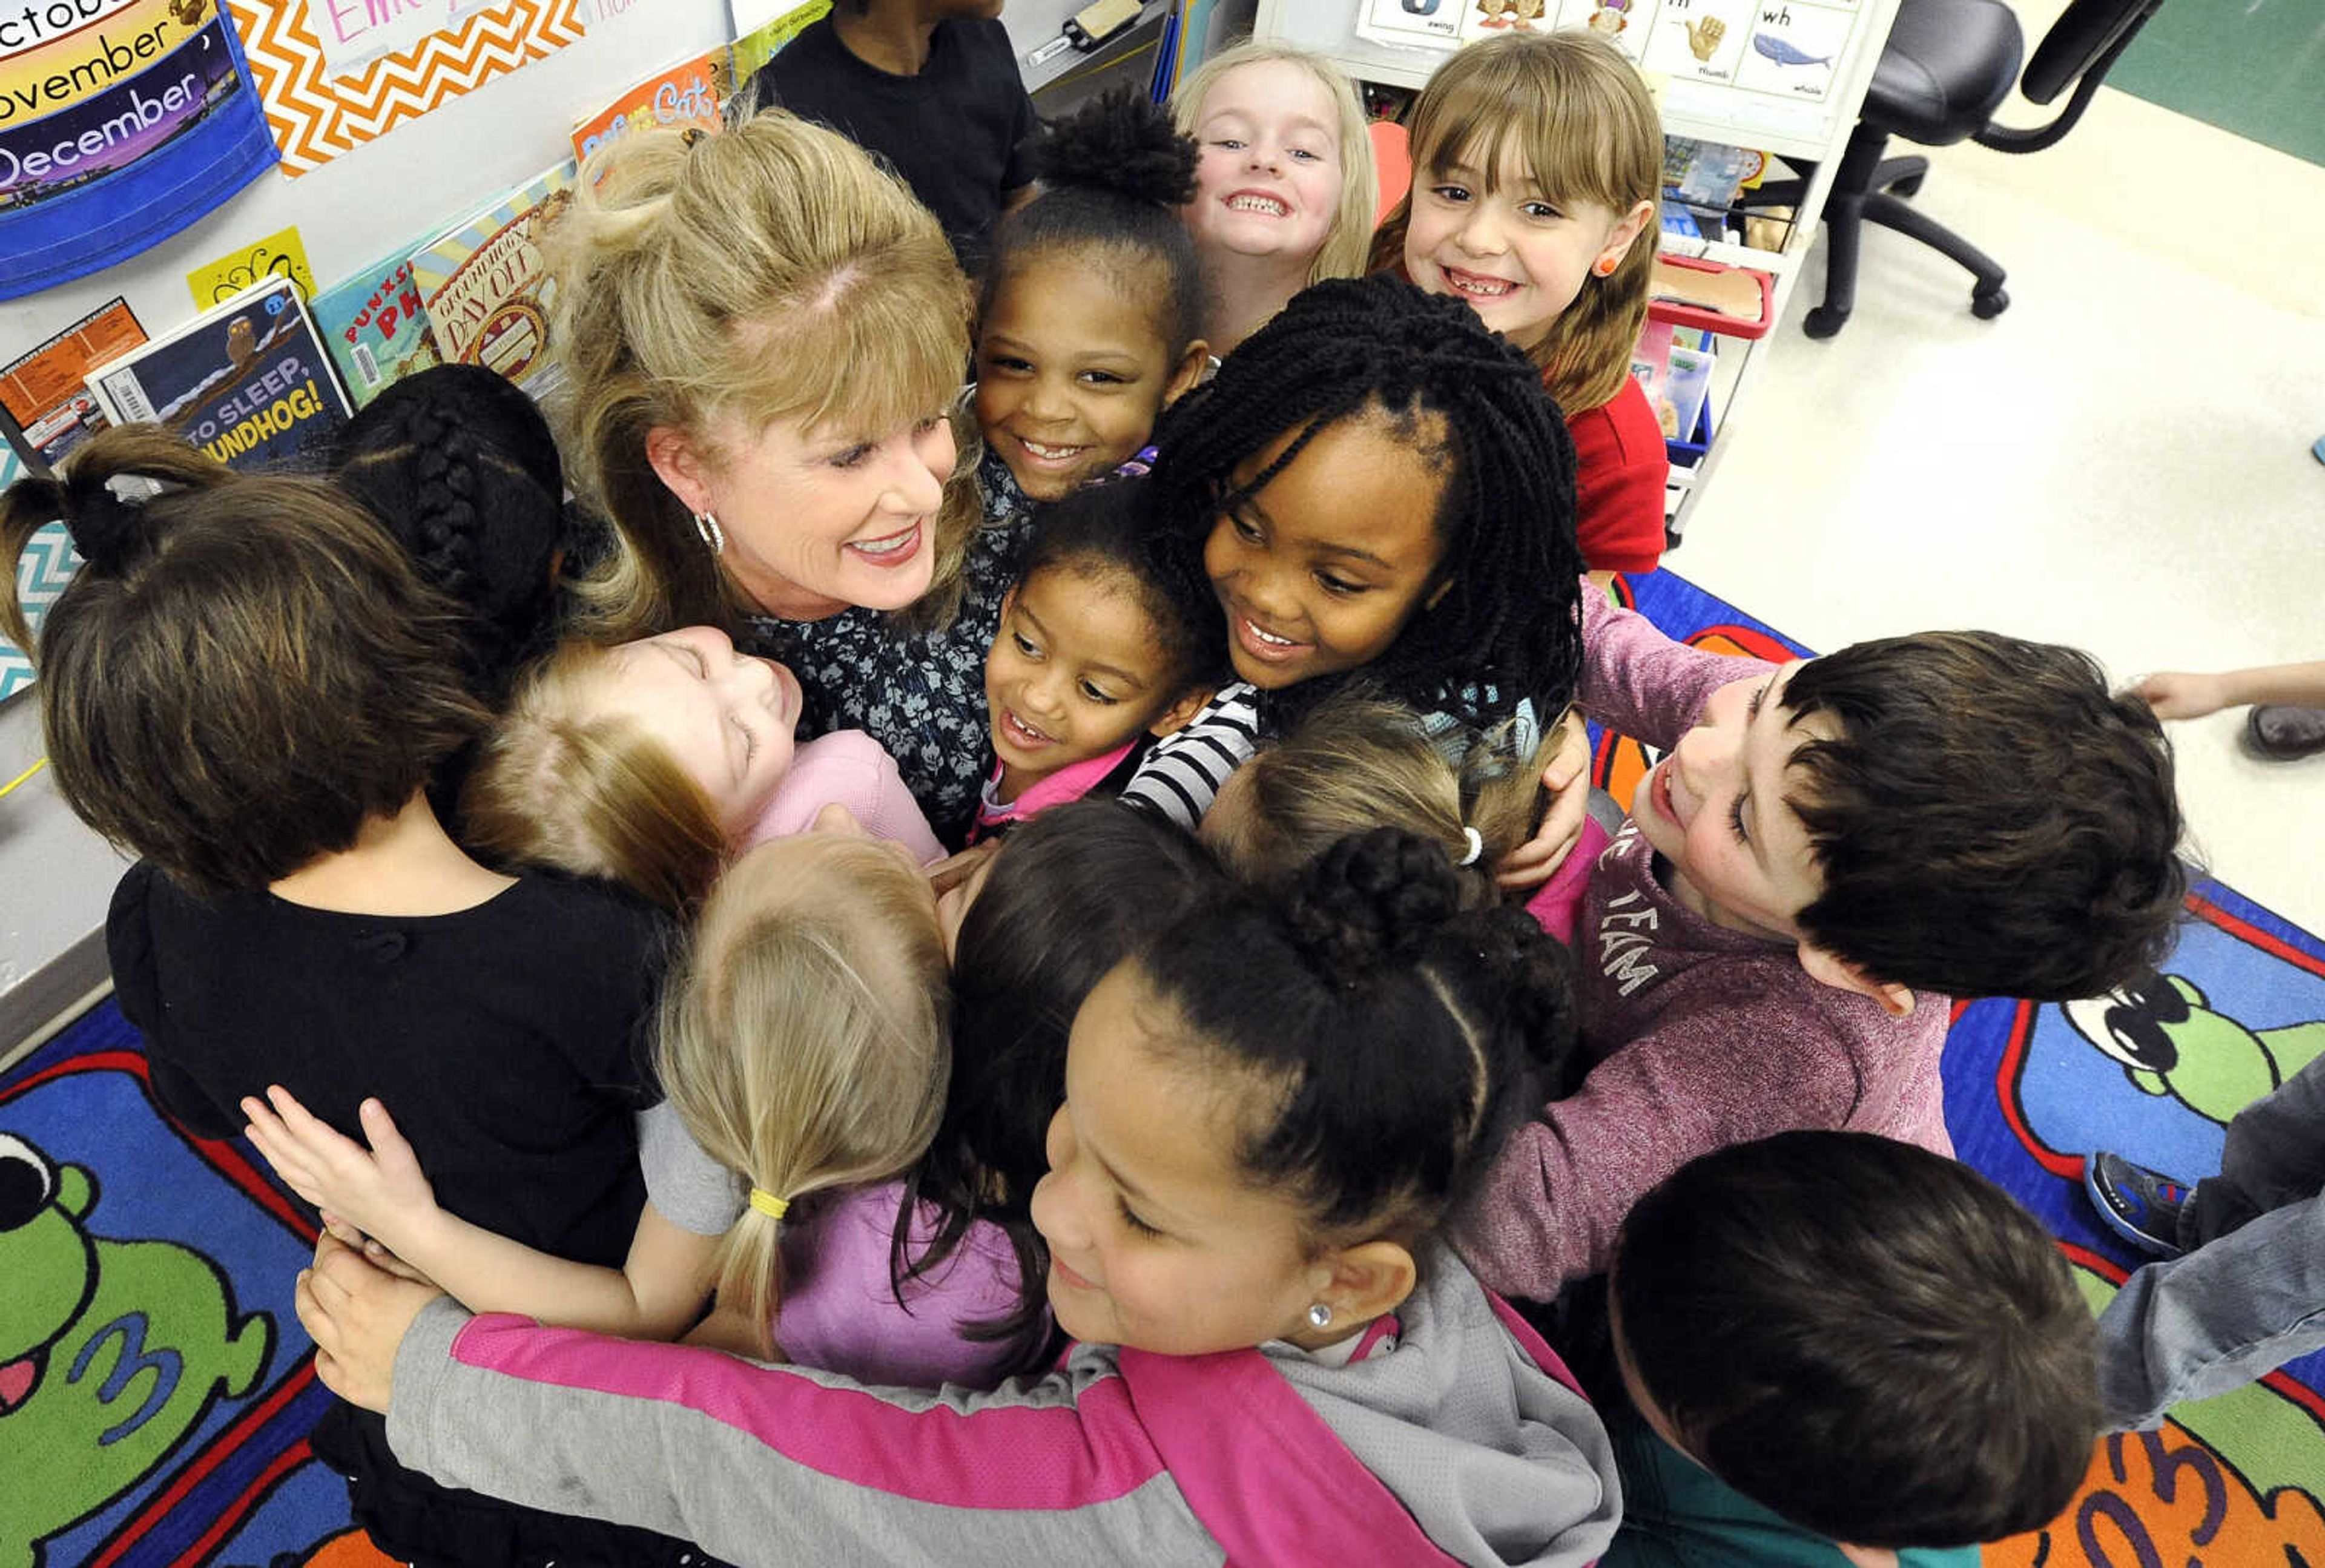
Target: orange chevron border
[{"x": 316, "y": 117}]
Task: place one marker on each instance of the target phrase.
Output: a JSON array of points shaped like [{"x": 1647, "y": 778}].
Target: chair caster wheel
[
  {"x": 1823, "y": 321},
  {"x": 1986, "y": 304}
]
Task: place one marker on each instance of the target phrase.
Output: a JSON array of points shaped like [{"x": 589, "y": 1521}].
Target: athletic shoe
[
  {"x": 2140, "y": 1205},
  {"x": 2283, "y": 733}
]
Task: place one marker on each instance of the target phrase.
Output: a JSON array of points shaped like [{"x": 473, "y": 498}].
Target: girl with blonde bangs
[
  {"x": 1537, "y": 163},
  {"x": 1285, "y": 187},
  {"x": 804, "y": 1049},
  {"x": 764, "y": 335}
]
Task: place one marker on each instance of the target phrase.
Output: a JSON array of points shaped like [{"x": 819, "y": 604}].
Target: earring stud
[{"x": 1320, "y": 1316}]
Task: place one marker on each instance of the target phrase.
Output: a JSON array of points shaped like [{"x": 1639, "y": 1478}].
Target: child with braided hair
[
  {"x": 1269, "y": 1107},
  {"x": 461, "y": 466},
  {"x": 1537, "y": 164},
  {"x": 1451, "y": 581}
]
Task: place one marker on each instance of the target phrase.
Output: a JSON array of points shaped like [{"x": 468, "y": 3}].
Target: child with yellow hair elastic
[
  {"x": 804, "y": 1049},
  {"x": 655, "y": 762}
]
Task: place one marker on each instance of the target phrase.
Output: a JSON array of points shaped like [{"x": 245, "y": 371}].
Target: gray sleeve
[
  {"x": 686, "y": 1186},
  {"x": 778, "y": 1464}
]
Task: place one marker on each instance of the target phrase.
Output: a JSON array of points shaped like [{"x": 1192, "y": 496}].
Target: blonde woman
[
  {"x": 1284, "y": 189},
  {"x": 764, "y": 336}
]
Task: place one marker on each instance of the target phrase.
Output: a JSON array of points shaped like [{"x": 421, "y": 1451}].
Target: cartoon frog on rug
[
  {"x": 110, "y": 1351},
  {"x": 2170, "y": 1041}
]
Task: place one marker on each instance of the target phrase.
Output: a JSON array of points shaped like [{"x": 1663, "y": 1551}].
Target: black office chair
[{"x": 1948, "y": 66}]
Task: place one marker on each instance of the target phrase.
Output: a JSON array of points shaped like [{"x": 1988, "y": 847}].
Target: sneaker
[
  {"x": 2140, "y": 1205},
  {"x": 2283, "y": 733}
]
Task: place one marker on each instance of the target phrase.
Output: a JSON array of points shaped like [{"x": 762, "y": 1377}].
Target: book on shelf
[
  {"x": 376, "y": 328},
  {"x": 248, "y": 381},
  {"x": 689, "y": 93},
  {"x": 487, "y": 295}
]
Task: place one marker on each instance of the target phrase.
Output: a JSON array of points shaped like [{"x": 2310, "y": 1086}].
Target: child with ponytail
[
  {"x": 247, "y": 686},
  {"x": 1537, "y": 163},
  {"x": 1359, "y": 761},
  {"x": 1270, "y": 1107},
  {"x": 803, "y": 1049}
]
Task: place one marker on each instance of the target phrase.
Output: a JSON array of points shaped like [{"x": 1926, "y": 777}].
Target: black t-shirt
[
  {"x": 958, "y": 132},
  {"x": 509, "y": 1042}
]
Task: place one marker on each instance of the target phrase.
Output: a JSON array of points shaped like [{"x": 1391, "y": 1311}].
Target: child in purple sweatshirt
[{"x": 1830, "y": 851}]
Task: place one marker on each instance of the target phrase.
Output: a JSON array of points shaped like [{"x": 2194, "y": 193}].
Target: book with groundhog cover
[{"x": 248, "y": 381}]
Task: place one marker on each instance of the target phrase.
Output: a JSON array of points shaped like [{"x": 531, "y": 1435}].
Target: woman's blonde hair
[
  {"x": 1577, "y": 113},
  {"x": 805, "y": 1037},
  {"x": 1361, "y": 762},
  {"x": 768, "y": 272},
  {"x": 593, "y": 793},
  {"x": 1343, "y": 255}
]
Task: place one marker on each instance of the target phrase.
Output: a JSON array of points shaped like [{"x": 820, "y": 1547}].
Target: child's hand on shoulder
[
  {"x": 1567, "y": 779},
  {"x": 378, "y": 1192}
]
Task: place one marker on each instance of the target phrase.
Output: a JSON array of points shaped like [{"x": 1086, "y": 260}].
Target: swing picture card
[{"x": 334, "y": 74}]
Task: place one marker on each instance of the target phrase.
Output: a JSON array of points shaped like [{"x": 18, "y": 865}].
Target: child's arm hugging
[
  {"x": 382, "y": 1193},
  {"x": 756, "y": 1463}
]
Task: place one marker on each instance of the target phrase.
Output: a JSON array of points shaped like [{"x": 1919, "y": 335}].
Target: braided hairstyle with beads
[
  {"x": 1509, "y": 622},
  {"x": 461, "y": 466}
]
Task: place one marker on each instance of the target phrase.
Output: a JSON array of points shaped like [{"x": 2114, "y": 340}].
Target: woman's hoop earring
[{"x": 712, "y": 535}]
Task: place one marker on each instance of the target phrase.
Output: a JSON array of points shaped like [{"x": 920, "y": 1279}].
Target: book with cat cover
[
  {"x": 689, "y": 93},
  {"x": 376, "y": 328},
  {"x": 487, "y": 295},
  {"x": 247, "y": 381}
]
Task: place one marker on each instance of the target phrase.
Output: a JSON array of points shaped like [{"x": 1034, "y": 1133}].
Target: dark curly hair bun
[
  {"x": 1373, "y": 895},
  {"x": 1124, "y": 142}
]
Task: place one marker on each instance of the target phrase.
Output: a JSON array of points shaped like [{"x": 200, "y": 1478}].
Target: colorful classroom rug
[{"x": 155, "y": 1388}]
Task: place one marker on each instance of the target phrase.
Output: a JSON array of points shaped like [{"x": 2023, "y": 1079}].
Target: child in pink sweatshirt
[{"x": 1828, "y": 852}]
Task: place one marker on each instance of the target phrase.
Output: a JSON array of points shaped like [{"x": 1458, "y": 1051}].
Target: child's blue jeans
[{"x": 2249, "y": 1294}]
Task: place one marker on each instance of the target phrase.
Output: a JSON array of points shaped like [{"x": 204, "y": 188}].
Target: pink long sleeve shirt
[{"x": 1699, "y": 1036}]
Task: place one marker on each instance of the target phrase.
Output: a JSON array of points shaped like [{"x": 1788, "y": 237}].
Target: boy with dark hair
[
  {"x": 1828, "y": 852},
  {"x": 1837, "y": 1346},
  {"x": 930, "y": 85}
]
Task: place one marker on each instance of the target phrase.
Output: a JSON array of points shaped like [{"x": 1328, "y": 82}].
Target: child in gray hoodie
[{"x": 1269, "y": 1112}]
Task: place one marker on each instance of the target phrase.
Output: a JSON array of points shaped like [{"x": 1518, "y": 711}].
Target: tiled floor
[{"x": 2120, "y": 461}]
